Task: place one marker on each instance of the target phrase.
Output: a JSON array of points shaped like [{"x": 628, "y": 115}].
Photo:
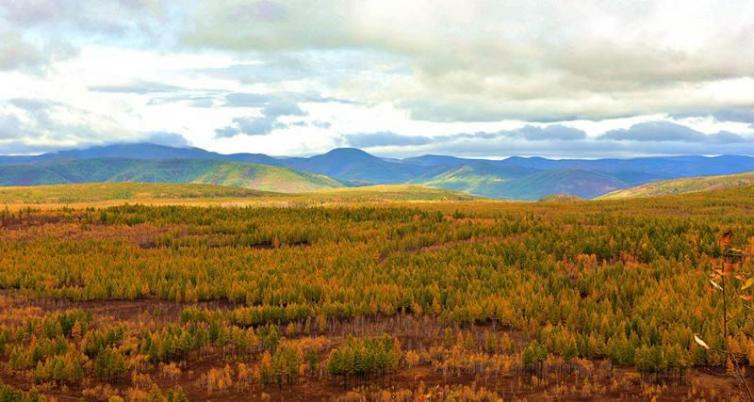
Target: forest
[{"x": 465, "y": 300}]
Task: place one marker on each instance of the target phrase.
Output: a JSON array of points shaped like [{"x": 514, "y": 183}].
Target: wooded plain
[{"x": 373, "y": 294}]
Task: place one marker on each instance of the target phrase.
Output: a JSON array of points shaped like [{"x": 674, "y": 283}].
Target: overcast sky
[{"x": 394, "y": 77}]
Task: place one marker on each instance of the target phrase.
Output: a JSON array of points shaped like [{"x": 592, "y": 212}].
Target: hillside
[
  {"x": 581, "y": 183},
  {"x": 146, "y": 151},
  {"x": 358, "y": 167},
  {"x": 525, "y": 178},
  {"x": 499, "y": 182},
  {"x": 95, "y": 192},
  {"x": 387, "y": 192},
  {"x": 234, "y": 174},
  {"x": 469, "y": 179},
  {"x": 683, "y": 186}
]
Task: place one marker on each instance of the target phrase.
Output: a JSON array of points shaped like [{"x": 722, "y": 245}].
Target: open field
[
  {"x": 61, "y": 194},
  {"x": 365, "y": 294},
  {"x": 111, "y": 194}
]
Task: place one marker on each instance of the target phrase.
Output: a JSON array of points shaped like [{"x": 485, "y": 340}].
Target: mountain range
[{"x": 512, "y": 178}]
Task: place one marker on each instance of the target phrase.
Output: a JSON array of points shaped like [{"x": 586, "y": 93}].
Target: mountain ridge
[
  {"x": 526, "y": 178},
  {"x": 203, "y": 171}
]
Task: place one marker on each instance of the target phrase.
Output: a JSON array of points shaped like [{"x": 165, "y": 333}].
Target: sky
[{"x": 397, "y": 78}]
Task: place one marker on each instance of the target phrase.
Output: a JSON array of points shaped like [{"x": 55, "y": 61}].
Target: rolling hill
[
  {"x": 235, "y": 174},
  {"x": 578, "y": 182},
  {"x": 145, "y": 151},
  {"x": 358, "y": 167},
  {"x": 497, "y": 182},
  {"x": 480, "y": 180},
  {"x": 388, "y": 192},
  {"x": 683, "y": 186},
  {"x": 137, "y": 192},
  {"x": 526, "y": 178}
]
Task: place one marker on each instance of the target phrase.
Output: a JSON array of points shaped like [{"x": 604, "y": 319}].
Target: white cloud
[{"x": 307, "y": 74}]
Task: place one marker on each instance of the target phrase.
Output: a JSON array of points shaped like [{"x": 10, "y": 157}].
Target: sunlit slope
[
  {"x": 469, "y": 179},
  {"x": 496, "y": 182},
  {"x": 196, "y": 194},
  {"x": 265, "y": 177},
  {"x": 683, "y": 186},
  {"x": 96, "y": 192},
  {"x": 235, "y": 174},
  {"x": 387, "y": 192}
]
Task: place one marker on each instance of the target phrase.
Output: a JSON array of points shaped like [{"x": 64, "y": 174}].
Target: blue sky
[{"x": 397, "y": 78}]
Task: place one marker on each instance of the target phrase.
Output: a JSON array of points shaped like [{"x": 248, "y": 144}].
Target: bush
[{"x": 109, "y": 365}]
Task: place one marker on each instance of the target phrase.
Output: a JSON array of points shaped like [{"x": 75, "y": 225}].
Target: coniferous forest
[{"x": 646, "y": 299}]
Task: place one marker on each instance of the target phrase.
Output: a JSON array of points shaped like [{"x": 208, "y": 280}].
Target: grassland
[
  {"x": 127, "y": 192},
  {"x": 107, "y": 194},
  {"x": 387, "y": 192},
  {"x": 683, "y": 186}
]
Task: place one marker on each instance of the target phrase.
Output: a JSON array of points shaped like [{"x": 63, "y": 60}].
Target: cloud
[
  {"x": 10, "y": 126},
  {"x": 251, "y": 99},
  {"x": 44, "y": 123},
  {"x": 227, "y": 132},
  {"x": 118, "y": 18},
  {"x": 256, "y": 125},
  {"x": 554, "y": 132},
  {"x": 262, "y": 125},
  {"x": 272, "y": 109},
  {"x": 656, "y": 131},
  {"x": 38, "y": 110},
  {"x": 321, "y": 124},
  {"x": 193, "y": 100},
  {"x": 665, "y": 131},
  {"x": 386, "y": 138},
  {"x": 167, "y": 138},
  {"x": 725, "y": 137},
  {"x": 17, "y": 53},
  {"x": 241, "y": 99},
  {"x": 742, "y": 114},
  {"x": 247, "y": 67},
  {"x": 279, "y": 107},
  {"x": 475, "y": 61},
  {"x": 270, "y": 71},
  {"x": 16, "y": 147},
  {"x": 137, "y": 87},
  {"x": 31, "y": 104}
]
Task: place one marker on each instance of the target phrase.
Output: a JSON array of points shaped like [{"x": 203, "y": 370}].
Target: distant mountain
[
  {"x": 235, "y": 174},
  {"x": 525, "y": 184},
  {"x": 578, "y": 182},
  {"x": 438, "y": 160},
  {"x": 642, "y": 170},
  {"x": 480, "y": 178},
  {"x": 527, "y": 178},
  {"x": 138, "y": 151},
  {"x": 358, "y": 167},
  {"x": 683, "y": 186}
]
